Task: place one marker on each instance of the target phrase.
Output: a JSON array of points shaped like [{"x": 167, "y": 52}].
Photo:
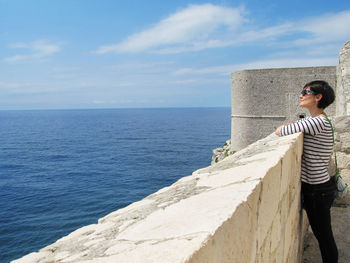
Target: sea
[{"x": 64, "y": 169}]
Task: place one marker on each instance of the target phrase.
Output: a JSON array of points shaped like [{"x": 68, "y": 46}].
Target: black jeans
[{"x": 317, "y": 201}]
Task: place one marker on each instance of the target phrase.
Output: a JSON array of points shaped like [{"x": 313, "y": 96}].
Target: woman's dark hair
[{"x": 322, "y": 87}]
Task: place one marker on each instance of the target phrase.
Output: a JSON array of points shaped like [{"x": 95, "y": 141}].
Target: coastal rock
[{"x": 221, "y": 153}]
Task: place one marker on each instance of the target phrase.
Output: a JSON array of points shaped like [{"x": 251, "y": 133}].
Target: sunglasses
[{"x": 305, "y": 92}]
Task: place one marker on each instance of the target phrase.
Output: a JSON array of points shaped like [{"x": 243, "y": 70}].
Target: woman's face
[{"x": 307, "y": 99}]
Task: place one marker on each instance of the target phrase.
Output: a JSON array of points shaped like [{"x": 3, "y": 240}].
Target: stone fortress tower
[{"x": 263, "y": 99}]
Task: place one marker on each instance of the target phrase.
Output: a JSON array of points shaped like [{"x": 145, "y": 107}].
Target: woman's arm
[{"x": 310, "y": 126}]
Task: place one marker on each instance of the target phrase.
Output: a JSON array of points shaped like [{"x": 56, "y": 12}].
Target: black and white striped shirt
[{"x": 318, "y": 145}]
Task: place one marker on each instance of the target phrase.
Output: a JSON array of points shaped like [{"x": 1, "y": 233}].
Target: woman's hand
[{"x": 278, "y": 130}]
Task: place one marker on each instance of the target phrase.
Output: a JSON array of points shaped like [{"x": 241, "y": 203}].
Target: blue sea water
[{"x": 63, "y": 169}]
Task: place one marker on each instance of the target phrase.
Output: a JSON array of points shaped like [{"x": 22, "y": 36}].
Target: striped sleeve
[{"x": 312, "y": 126}]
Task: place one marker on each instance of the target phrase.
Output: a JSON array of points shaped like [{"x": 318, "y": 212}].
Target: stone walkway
[{"x": 341, "y": 229}]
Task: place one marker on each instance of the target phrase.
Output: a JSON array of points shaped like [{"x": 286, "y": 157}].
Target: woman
[{"x": 317, "y": 188}]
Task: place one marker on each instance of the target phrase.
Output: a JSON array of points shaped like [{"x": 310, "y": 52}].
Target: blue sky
[{"x": 66, "y": 54}]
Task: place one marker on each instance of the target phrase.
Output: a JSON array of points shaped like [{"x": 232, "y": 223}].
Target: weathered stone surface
[
  {"x": 343, "y": 81},
  {"x": 341, "y": 123},
  {"x": 343, "y": 160}
]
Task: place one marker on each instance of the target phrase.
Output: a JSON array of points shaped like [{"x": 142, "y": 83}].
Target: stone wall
[
  {"x": 342, "y": 148},
  {"x": 343, "y": 81},
  {"x": 245, "y": 208},
  {"x": 263, "y": 99}
]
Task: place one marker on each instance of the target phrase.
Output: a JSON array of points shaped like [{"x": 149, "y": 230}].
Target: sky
[{"x": 84, "y": 54}]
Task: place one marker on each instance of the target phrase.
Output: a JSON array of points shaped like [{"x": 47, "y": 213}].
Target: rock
[
  {"x": 221, "y": 153},
  {"x": 342, "y": 124},
  {"x": 345, "y": 142},
  {"x": 343, "y": 160}
]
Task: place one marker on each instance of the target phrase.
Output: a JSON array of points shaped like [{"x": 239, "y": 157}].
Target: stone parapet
[{"x": 245, "y": 208}]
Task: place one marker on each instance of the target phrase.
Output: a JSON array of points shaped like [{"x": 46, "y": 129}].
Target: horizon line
[{"x": 117, "y": 108}]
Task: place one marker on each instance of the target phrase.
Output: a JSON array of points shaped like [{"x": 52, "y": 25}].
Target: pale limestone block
[
  {"x": 61, "y": 255},
  {"x": 32, "y": 257},
  {"x": 291, "y": 167},
  {"x": 84, "y": 231},
  {"x": 296, "y": 248},
  {"x": 235, "y": 240},
  {"x": 284, "y": 210},
  {"x": 100, "y": 228},
  {"x": 164, "y": 204},
  {"x": 125, "y": 225},
  {"x": 279, "y": 252},
  {"x": 269, "y": 201},
  {"x": 184, "y": 179},
  {"x": 284, "y": 214},
  {"x": 93, "y": 242},
  {"x": 130, "y": 208},
  {"x": 120, "y": 247},
  {"x": 265, "y": 250},
  {"x": 288, "y": 239},
  {"x": 265, "y": 156},
  {"x": 294, "y": 185},
  {"x": 72, "y": 258},
  {"x": 287, "y": 173},
  {"x": 276, "y": 232},
  {"x": 253, "y": 205},
  {"x": 291, "y": 230},
  {"x": 165, "y": 251},
  {"x": 239, "y": 174},
  {"x": 219, "y": 205},
  {"x": 294, "y": 192}
]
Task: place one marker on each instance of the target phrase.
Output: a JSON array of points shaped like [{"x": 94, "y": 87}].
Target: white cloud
[
  {"x": 200, "y": 27},
  {"x": 26, "y": 87},
  {"x": 34, "y": 51},
  {"x": 12, "y": 85},
  {"x": 260, "y": 64},
  {"x": 325, "y": 28},
  {"x": 190, "y": 28},
  {"x": 289, "y": 63}
]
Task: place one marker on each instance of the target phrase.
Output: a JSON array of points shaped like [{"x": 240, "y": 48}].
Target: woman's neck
[{"x": 314, "y": 112}]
